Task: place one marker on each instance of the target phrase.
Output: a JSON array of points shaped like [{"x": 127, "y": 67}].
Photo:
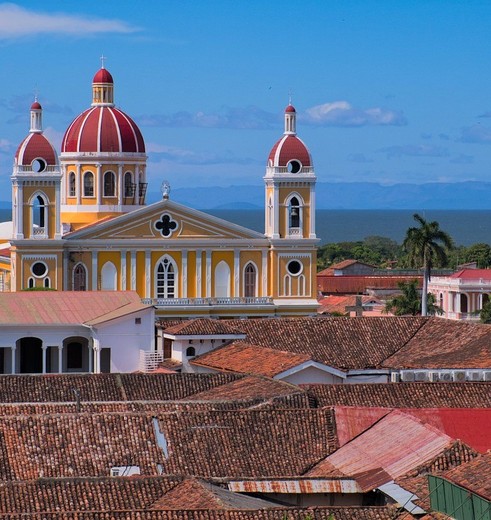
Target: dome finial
[
  {"x": 103, "y": 58},
  {"x": 290, "y": 93}
]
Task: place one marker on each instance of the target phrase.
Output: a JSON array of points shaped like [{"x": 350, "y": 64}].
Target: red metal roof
[
  {"x": 103, "y": 129},
  {"x": 472, "y": 426},
  {"x": 103, "y": 76},
  {"x": 473, "y": 274},
  {"x": 397, "y": 443},
  {"x": 289, "y": 148},
  {"x": 352, "y": 420},
  {"x": 35, "y": 146}
]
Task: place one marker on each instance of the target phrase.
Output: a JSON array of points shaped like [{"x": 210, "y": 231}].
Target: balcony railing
[
  {"x": 150, "y": 360},
  {"x": 201, "y": 302}
]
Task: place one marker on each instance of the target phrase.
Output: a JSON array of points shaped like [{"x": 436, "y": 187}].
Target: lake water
[{"x": 466, "y": 227}]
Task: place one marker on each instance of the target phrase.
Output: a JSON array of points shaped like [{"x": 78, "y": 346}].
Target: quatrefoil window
[{"x": 166, "y": 225}]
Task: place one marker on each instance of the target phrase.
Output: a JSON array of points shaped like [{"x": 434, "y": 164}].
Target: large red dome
[
  {"x": 36, "y": 146},
  {"x": 103, "y": 129},
  {"x": 289, "y": 148}
]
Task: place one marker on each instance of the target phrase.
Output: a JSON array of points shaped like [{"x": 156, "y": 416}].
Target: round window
[
  {"x": 294, "y": 267},
  {"x": 294, "y": 166},
  {"x": 39, "y": 269},
  {"x": 38, "y": 165}
]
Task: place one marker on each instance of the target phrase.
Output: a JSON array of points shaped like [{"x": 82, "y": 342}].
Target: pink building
[{"x": 462, "y": 294}]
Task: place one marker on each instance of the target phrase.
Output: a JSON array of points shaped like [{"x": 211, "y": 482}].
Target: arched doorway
[
  {"x": 464, "y": 303},
  {"x": 76, "y": 356},
  {"x": 31, "y": 355}
]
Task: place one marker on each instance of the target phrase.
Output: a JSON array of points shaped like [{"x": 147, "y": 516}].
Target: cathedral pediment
[{"x": 164, "y": 220}]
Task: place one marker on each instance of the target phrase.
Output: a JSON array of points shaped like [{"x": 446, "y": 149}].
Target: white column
[
  {"x": 137, "y": 181},
  {"x": 148, "y": 293},
  {"x": 133, "y": 270},
  {"x": 60, "y": 359},
  {"x": 57, "y": 230},
  {"x": 236, "y": 273},
  {"x": 276, "y": 212},
  {"x": 312, "y": 213},
  {"x": 44, "y": 349},
  {"x": 98, "y": 184},
  {"x": 198, "y": 273},
  {"x": 20, "y": 211},
  {"x": 184, "y": 273},
  {"x": 91, "y": 359},
  {"x": 97, "y": 356},
  {"x": 79, "y": 184},
  {"x": 123, "y": 270},
  {"x": 13, "y": 349},
  {"x": 208, "y": 273},
  {"x": 264, "y": 274},
  {"x": 94, "y": 271},
  {"x": 120, "y": 185}
]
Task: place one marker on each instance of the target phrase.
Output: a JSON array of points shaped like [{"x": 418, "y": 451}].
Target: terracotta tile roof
[
  {"x": 253, "y": 443},
  {"x": 250, "y": 359},
  {"x": 63, "y": 307},
  {"x": 474, "y": 476},
  {"x": 203, "y": 327},
  {"x": 445, "y": 344},
  {"x": 343, "y": 343},
  {"x": 396, "y": 444},
  {"x": 403, "y": 395},
  {"x": 280, "y": 513},
  {"x": 255, "y": 390},
  {"x": 337, "y": 304}
]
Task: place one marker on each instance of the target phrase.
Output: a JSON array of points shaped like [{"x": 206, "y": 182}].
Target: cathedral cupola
[
  {"x": 102, "y": 88},
  {"x": 290, "y": 152}
]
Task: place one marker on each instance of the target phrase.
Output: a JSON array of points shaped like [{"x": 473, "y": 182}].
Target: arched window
[
  {"x": 440, "y": 301},
  {"x": 287, "y": 284},
  {"x": 47, "y": 282},
  {"x": 222, "y": 280},
  {"x": 294, "y": 213},
  {"x": 79, "y": 278},
  {"x": 109, "y": 277},
  {"x": 74, "y": 356},
  {"x": 129, "y": 187},
  {"x": 109, "y": 184},
  {"x": 72, "y": 187},
  {"x": 30, "y": 283},
  {"x": 88, "y": 184},
  {"x": 190, "y": 352},
  {"x": 166, "y": 278},
  {"x": 39, "y": 212},
  {"x": 250, "y": 277}
]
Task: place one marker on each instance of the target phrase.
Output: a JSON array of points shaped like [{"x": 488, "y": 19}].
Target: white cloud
[
  {"x": 415, "y": 150},
  {"x": 16, "y": 22},
  {"x": 5, "y": 145},
  {"x": 342, "y": 113}
]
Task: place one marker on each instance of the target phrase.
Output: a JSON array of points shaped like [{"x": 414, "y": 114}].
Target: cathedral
[{"x": 80, "y": 223}]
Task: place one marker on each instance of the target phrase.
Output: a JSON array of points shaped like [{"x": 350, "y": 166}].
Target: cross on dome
[{"x": 103, "y": 58}]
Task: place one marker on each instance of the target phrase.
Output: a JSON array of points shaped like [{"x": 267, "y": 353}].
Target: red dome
[
  {"x": 35, "y": 146},
  {"x": 290, "y": 108},
  {"x": 102, "y": 76},
  {"x": 287, "y": 149},
  {"x": 36, "y": 106},
  {"x": 103, "y": 129}
]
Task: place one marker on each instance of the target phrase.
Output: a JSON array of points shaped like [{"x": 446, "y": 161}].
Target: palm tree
[
  {"x": 426, "y": 245},
  {"x": 408, "y": 303}
]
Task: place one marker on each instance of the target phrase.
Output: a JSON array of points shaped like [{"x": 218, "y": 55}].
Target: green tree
[
  {"x": 485, "y": 314},
  {"x": 409, "y": 301},
  {"x": 479, "y": 253},
  {"x": 426, "y": 246}
]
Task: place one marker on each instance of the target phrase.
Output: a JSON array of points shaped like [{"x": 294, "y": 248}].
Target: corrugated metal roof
[
  {"x": 309, "y": 486},
  {"x": 64, "y": 307},
  {"x": 351, "y": 421},
  {"x": 397, "y": 443}
]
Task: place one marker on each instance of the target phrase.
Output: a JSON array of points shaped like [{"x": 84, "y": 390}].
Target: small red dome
[
  {"x": 290, "y": 108},
  {"x": 36, "y": 106},
  {"x": 103, "y": 129},
  {"x": 35, "y": 146},
  {"x": 289, "y": 148},
  {"x": 102, "y": 76}
]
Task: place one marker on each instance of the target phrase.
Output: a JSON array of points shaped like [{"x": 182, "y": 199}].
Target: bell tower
[
  {"x": 290, "y": 220},
  {"x": 290, "y": 186}
]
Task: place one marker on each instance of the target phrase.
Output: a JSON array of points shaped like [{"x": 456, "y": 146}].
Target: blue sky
[{"x": 386, "y": 91}]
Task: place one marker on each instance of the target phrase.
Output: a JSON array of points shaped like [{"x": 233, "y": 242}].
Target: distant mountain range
[{"x": 345, "y": 195}]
